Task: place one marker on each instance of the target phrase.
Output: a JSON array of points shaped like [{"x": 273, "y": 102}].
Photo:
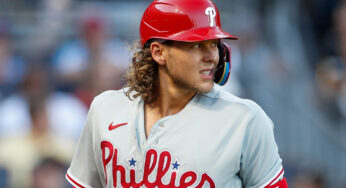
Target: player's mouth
[{"x": 207, "y": 73}]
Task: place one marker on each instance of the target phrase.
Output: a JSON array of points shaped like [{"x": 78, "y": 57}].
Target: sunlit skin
[{"x": 184, "y": 69}]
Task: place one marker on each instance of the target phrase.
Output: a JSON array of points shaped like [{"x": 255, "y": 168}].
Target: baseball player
[{"x": 173, "y": 126}]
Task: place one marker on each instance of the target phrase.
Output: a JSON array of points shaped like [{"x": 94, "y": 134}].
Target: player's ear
[{"x": 158, "y": 51}]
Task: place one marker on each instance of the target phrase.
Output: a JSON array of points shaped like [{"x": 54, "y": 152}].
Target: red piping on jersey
[
  {"x": 282, "y": 171},
  {"x": 280, "y": 184},
  {"x": 79, "y": 185}
]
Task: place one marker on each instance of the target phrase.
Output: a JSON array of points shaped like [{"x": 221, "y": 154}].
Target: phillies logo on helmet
[{"x": 211, "y": 13}]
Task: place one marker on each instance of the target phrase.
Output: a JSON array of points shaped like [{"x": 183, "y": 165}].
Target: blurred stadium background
[{"x": 55, "y": 56}]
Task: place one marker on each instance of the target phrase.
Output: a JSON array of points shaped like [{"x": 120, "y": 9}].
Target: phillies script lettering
[{"x": 152, "y": 159}]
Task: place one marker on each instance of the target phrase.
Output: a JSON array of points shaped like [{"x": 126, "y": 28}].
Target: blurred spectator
[
  {"x": 3, "y": 178},
  {"x": 49, "y": 173},
  {"x": 331, "y": 72},
  {"x": 316, "y": 22},
  {"x": 12, "y": 67},
  {"x": 309, "y": 180},
  {"x": 264, "y": 72},
  {"x": 20, "y": 154},
  {"x": 65, "y": 113},
  {"x": 93, "y": 62},
  {"x": 53, "y": 22}
]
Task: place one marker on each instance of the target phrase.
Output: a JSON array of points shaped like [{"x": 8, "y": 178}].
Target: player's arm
[
  {"x": 261, "y": 165},
  {"x": 83, "y": 171}
]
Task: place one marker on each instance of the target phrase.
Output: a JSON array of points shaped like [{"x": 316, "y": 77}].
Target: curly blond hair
[{"x": 142, "y": 74}]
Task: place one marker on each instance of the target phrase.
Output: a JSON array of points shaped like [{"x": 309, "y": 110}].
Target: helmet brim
[{"x": 200, "y": 34}]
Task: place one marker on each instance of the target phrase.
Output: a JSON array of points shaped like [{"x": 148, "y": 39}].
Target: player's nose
[{"x": 211, "y": 54}]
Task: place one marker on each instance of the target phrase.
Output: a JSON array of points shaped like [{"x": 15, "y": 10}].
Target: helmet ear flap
[{"x": 223, "y": 68}]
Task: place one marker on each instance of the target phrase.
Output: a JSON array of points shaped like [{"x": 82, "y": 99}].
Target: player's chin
[{"x": 205, "y": 87}]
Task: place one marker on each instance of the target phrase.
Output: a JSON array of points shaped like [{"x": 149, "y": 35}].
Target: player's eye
[
  {"x": 214, "y": 44},
  {"x": 197, "y": 46}
]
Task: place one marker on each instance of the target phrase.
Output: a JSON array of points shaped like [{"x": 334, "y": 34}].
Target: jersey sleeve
[
  {"x": 83, "y": 170},
  {"x": 260, "y": 164}
]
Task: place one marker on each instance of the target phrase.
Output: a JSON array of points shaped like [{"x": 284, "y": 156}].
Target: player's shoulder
[
  {"x": 233, "y": 107},
  {"x": 112, "y": 98},
  {"x": 220, "y": 96}
]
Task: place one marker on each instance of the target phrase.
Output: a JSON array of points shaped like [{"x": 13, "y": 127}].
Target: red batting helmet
[
  {"x": 182, "y": 20},
  {"x": 188, "y": 21}
]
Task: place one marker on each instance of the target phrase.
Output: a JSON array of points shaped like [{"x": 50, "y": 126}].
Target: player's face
[{"x": 191, "y": 65}]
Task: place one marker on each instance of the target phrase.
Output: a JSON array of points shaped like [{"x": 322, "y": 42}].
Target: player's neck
[
  {"x": 168, "y": 102},
  {"x": 171, "y": 99}
]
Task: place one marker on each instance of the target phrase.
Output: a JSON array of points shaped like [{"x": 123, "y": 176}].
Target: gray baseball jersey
[{"x": 217, "y": 140}]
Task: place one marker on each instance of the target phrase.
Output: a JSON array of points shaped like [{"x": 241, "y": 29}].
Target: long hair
[{"x": 142, "y": 76}]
